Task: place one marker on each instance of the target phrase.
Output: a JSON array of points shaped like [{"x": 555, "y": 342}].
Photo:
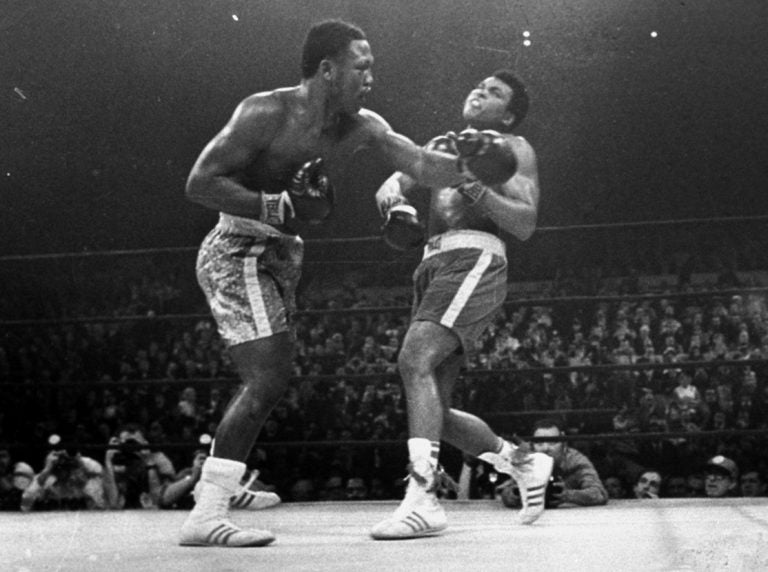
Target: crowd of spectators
[{"x": 172, "y": 376}]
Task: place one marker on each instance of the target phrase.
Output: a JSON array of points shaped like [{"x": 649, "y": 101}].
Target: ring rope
[
  {"x": 367, "y": 444},
  {"x": 377, "y": 238},
  {"x": 367, "y": 377},
  {"x": 554, "y": 300}
]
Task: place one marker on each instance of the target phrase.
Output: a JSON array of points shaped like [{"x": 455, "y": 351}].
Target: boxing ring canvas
[{"x": 666, "y": 534}]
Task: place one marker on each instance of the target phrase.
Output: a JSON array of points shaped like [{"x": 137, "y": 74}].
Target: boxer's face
[
  {"x": 486, "y": 105},
  {"x": 351, "y": 78}
]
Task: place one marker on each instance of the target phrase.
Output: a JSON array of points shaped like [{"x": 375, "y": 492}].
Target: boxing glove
[
  {"x": 443, "y": 143},
  {"x": 402, "y": 229},
  {"x": 486, "y": 156},
  {"x": 311, "y": 193}
]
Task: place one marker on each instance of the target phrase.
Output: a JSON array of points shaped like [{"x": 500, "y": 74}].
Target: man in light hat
[
  {"x": 14, "y": 482},
  {"x": 722, "y": 477},
  {"x": 22, "y": 475}
]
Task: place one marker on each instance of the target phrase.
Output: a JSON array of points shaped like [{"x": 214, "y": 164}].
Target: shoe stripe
[
  {"x": 413, "y": 524},
  {"x": 534, "y": 497},
  {"x": 211, "y": 538},
  {"x": 224, "y": 539},
  {"x": 217, "y": 538},
  {"x": 417, "y": 522},
  {"x": 221, "y": 534},
  {"x": 243, "y": 500}
]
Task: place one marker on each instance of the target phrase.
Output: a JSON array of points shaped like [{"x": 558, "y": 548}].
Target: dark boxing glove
[
  {"x": 402, "y": 229},
  {"x": 486, "y": 155},
  {"x": 311, "y": 193}
]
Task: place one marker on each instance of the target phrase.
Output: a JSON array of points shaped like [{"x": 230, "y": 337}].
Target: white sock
[
  {"x": 225, "y": 473},
  {"x": 506, "y": 448},
  {"x": 423, "y": 455}
]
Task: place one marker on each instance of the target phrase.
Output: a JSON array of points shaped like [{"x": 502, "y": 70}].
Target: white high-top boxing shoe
[
  {"x": 420, "y": 513},
  {"x": 208, "y": 523},
  {"x": 247, "y": 499},
  {"x": 531, "y": 471}
]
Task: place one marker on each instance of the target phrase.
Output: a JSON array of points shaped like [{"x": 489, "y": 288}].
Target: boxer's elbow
[
  {"x": 522, "y": 226},
  {"x": 528, "y": 227},
  {"x": 197, "y": 188}
]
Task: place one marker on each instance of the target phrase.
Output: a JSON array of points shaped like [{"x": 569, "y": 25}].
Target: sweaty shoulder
[
  {"x": 263, "y": 113},
  {"x": 523, "y": 150},
  {"x": 373, "y": 123}
]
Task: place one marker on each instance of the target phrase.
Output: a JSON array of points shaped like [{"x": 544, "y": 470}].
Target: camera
[
  {"x": 554, "y": 489},
  {"x": 128, "y": 453},
  {"x": 65, "y": 463}
]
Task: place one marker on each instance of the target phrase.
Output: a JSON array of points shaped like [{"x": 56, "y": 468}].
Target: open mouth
[{"x": 475, "y": 103}]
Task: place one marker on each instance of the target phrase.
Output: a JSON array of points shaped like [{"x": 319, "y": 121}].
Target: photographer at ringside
[
  {"x": 135, "y": 475},
  {"x": 574, "y": 478},
  {"x": 68, "y": 481}
]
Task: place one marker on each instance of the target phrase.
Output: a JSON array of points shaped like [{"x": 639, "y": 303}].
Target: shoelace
[
  {"x": 521, "y": 456},
  {"x": 442, "y": 483}
]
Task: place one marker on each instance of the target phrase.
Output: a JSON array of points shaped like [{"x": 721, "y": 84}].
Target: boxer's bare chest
[
  {"x": 449, "y": 210},
  {"x": 296, "y": 143}
]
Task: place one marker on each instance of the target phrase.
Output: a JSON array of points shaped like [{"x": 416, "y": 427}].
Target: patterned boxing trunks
[
  {"x": 249, "y": 272},
  {"x": 461, "y": 283}
]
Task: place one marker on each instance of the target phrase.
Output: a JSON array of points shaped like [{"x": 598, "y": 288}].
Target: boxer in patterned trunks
[
  {"x": 249, "y": 275},
  {"x": 459, "y": 287},
  {"x": 269, "y": 170}
]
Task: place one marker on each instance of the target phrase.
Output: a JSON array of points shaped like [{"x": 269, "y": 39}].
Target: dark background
[{"x": 104, "y": 105}]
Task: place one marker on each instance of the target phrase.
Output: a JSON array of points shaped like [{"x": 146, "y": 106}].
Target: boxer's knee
[{"x": 427, "y": 345}]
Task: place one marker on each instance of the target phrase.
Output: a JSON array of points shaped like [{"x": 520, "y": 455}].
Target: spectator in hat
[
  {"x": 68, "y": 481},
  {"x": 14, "y": 483},
  {"x": 722, "y": 477}
]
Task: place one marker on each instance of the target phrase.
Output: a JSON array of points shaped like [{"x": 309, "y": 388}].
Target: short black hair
[
  {"x": 548, "y": 423},
  {"x": 327, "y": 39},
  {"x": 519, "y": 103}
]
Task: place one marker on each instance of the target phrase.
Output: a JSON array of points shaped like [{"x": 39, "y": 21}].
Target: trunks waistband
[
  {"x": 452, "y": 240},
  {"x": 250, "y": 227}
]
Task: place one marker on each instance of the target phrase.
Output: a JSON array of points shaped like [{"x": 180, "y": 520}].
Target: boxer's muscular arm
[
  {"x": 515, "y": 204},
  {"x": 429, "y": 168},
  {"x": 214, "y": 179}
]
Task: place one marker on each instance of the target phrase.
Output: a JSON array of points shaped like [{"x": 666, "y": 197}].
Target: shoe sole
[
  {"x": 421, "y": 534},
  {"x": 418, "y": 528},
  {"x": 221, "y": 535},
  {"x": 249, "y": 545}
]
